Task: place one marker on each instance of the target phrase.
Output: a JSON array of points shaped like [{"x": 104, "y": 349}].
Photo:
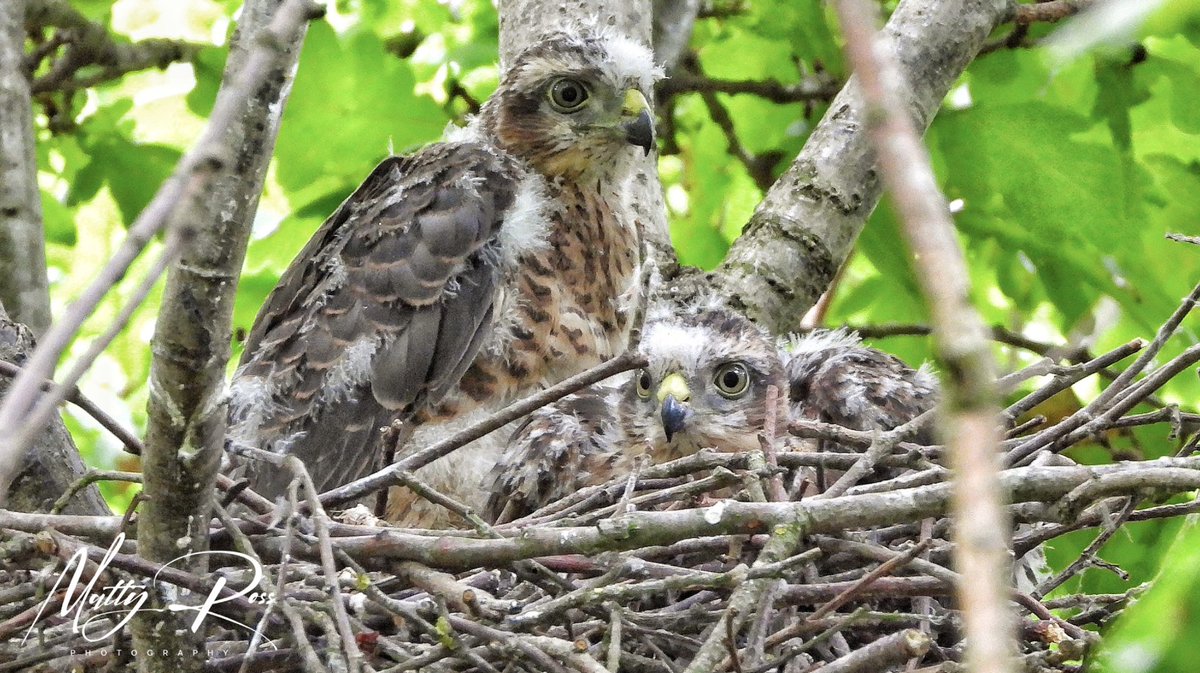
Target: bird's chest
[
  {"x": 591, "y": 272},
  {"x": 564, "y": 307}
]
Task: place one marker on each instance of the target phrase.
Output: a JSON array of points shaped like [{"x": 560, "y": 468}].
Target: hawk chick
[
  {"x": 705, "y": 387},
  {"x": 460, "y": 277}
]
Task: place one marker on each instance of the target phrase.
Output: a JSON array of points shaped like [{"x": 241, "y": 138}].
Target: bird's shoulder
[
  {"x": 414, "y": 219},
  {"x": 554, "y": 451},
  {"x": 834, "y": 377}
]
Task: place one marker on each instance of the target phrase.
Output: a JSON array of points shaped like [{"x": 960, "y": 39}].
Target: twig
[
  {"x": 612, "y": 660},
  {"x": 74, "y": 396},
  {"x": 194, "y": 173},
  {"x": 91, "y": 477},
  {"x": 389, "y": 476},
  {"x": 884, "y": 569},
  {"x": 1055, "y": 10},
  {"x": 882, "y": 654},
  {"x": 775, "y": 483},
  {"x": 1088, "y": 554},
  {"x": 981, "y": 527},
  {"x": 321, "y": 521},
  {"x": 811, "y": 89},
  {"x": 33, "y": 422},
  {"x": 782, "y": 544}
]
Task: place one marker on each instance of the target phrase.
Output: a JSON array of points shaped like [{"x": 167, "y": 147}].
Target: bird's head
[
  {"x": 575, "y": 104},
  {"x": 705, "y": 384}
]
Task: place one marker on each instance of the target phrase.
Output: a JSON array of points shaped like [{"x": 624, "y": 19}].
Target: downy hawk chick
[
  {"x": 459, "y": 278},
  {"x": 705, "y": 387}
]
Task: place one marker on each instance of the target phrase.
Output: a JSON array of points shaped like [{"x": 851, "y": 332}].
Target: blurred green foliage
[{"x": 1064, "y": 175}]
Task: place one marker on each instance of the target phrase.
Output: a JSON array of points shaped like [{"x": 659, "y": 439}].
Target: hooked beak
[
  {"x": 637, "y": 122},
  {"x": 674, "y": 416},
  {"x": 673, "y": 394}
]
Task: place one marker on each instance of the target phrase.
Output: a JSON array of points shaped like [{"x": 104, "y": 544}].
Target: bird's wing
[
  {"x": 382, "y": 311},
  {"x": 838, "y": 380},
  {"x": 556, "y": 451}
]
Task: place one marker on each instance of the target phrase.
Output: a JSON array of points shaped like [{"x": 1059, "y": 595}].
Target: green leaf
[
  {"x": 208, "y": 66},
  {"x": 132, "y": 171},
  {"x": 58, "y": 221},
  {"x": 351, "y": 102},
  {"x": 1158, "y": 633}
]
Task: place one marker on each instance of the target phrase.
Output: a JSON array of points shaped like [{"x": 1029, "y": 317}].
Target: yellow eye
[
  {"x": 732, "y": 379},
  {"x": 643, "y": 383},
  {"x": 568, "y": 95}
]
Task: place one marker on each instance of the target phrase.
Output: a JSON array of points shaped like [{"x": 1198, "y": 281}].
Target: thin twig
[{"x": 389, "y": 476}]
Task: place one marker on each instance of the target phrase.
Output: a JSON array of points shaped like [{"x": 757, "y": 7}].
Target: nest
[{"x": 709, "y": 563}]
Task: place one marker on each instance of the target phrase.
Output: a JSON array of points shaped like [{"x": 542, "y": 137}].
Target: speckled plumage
[
  {"x": 833, "y": 378},
  {"x": 457, "y": 279},
  {"x": 601, "y": 432}
]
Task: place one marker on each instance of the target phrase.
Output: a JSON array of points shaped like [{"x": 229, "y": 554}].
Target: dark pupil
[
  {"x": 731, "y": 379},
  {"x": 569, "y": 93},
  {"x": 644, "y": 381}
]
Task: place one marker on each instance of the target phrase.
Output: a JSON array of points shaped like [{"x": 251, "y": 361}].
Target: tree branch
[
  {"x": 1055, "y": 10},
  {"x": 192, "y": 179},
  {"x": 186, "y": 411},
  {"x": 24, "y": 287},
  {"x": 673, "y": 23},
  {"x": 832, "y": 515},
  {"x": 811, "y": 89},
  {"x": 970, "y": 414},
  {"x": 88, "y": 44},
  {"x": 53, "y": 463},
  {"x": 806, "y": 226}
]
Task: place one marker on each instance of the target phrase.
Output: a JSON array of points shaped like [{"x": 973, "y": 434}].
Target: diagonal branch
[
  {"x": 806, "y": 226},
  {"x": 970, "y": 412}
]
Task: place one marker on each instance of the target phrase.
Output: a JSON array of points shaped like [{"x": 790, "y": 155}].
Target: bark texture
[
  {"x": 673, "y": 22},
  {"x": 191, "y": 346},
  {"x": 806, "y": 226},
  {"x": 24, "y": 289},
  {"x": 52, "y": 464}
]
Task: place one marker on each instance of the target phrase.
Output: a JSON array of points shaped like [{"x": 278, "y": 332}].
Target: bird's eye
[
  {"x": 643, "y": 383},
  {"x": 568, "y": 95},
  {"x": 732, "y": 379}
]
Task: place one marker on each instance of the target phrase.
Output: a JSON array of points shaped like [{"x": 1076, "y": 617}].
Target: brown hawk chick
[
  {"x": 705, "y": 387},
  {"x": 458, "y": 278}
]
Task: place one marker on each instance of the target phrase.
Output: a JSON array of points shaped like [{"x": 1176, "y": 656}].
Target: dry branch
[
  {"x": 970, "y": 416},
  {"x": 191, "y": 346}
]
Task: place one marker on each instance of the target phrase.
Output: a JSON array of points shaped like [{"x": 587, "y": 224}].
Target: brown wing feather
[
  {"x": 840, "y": 381},
  {"x": 380, "y": 313},
  {"x": 556, "y": 451}
]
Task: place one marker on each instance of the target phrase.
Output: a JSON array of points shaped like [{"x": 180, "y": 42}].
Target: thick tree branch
[
  {"x": 24, "y": 288},
  {"x": 673, "y": 22},
  {"x": 970, "y": 414},
  {"x": 832, "y": 515},
  {"x": 186, "y": 428},
  {"x": 53, "y": 464},
  {"x": 806, "y": 226}
]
